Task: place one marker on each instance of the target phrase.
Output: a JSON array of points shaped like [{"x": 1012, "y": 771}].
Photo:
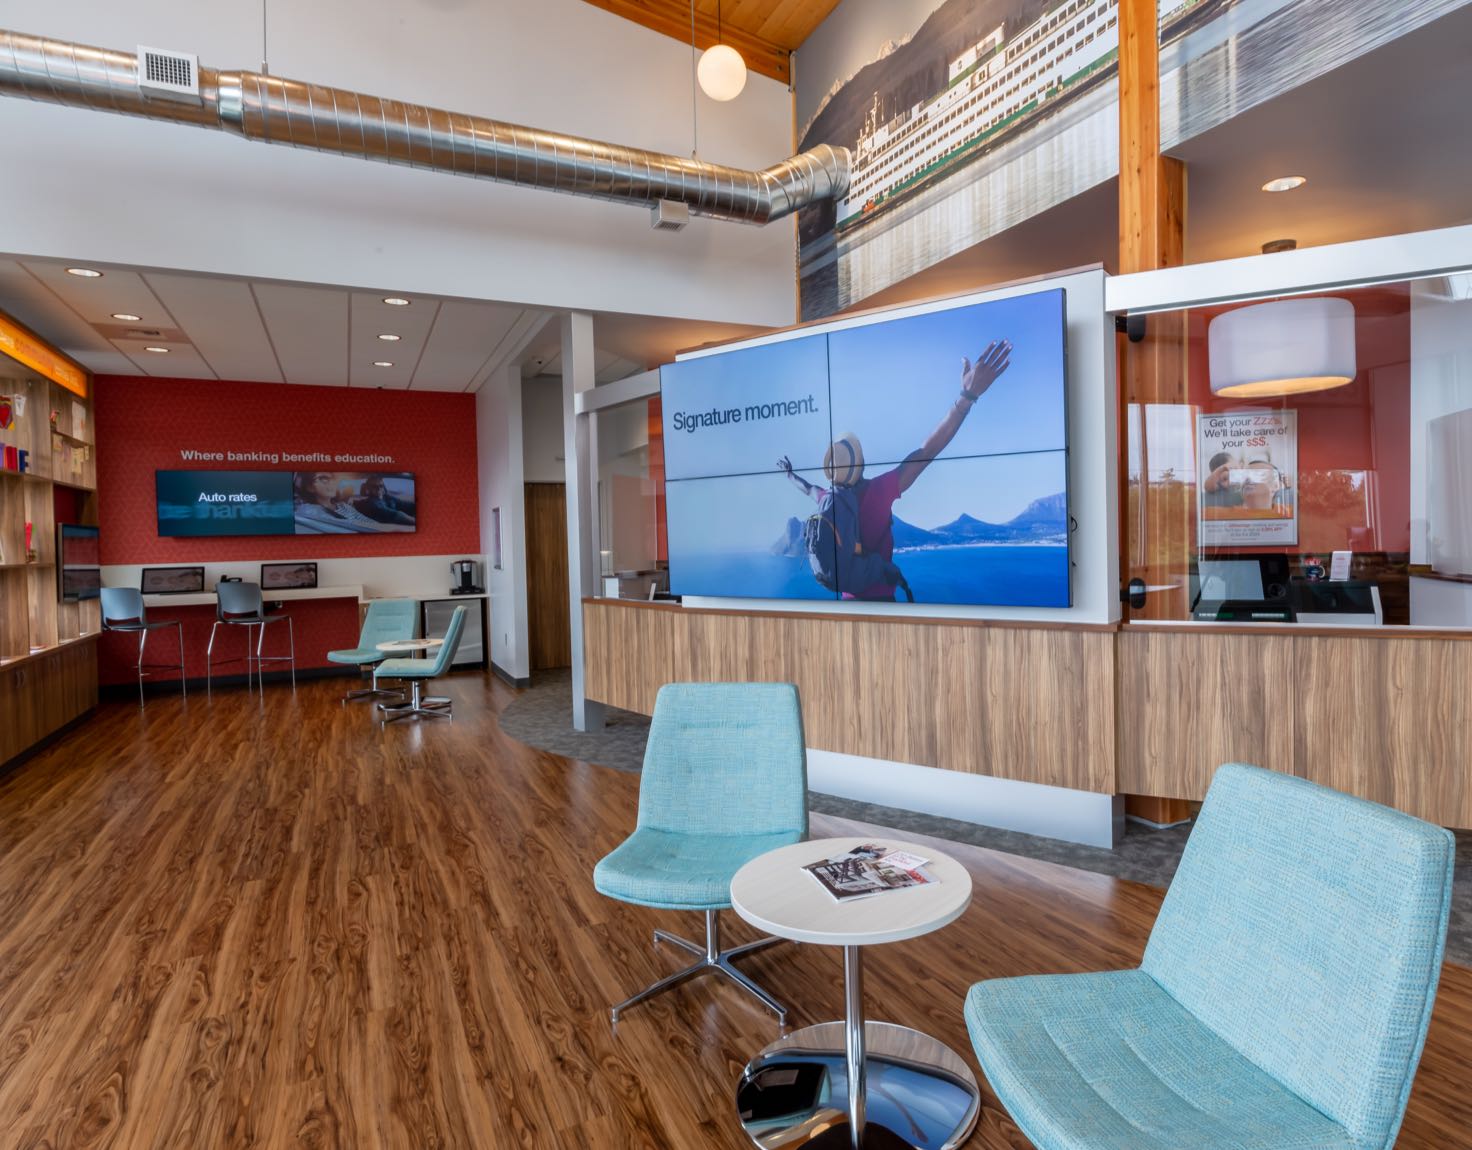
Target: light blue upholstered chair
[
  {"x": 386, "y": 620},
  {"x": 1283, "y": 999},
  {"x": 416, "y": 672},
  {"x": 725, "y": 780}
]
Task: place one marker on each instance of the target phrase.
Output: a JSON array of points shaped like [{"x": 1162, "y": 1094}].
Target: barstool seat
[
  {"x": 239, "y": 604},
  {"x": 122, "y": 610}
]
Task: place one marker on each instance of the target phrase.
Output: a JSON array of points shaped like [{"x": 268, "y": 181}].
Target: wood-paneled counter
[
  {"x": 1148, "y": 709},
  {"x": 1017, "y": 701},
  {"x": 1382, "y": 713}
]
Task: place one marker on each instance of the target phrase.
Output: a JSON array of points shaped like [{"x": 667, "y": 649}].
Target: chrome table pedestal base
[{"x": 919, "y": 1094}]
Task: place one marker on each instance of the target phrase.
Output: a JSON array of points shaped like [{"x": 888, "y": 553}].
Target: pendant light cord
[{"x": 694, "y": 91}]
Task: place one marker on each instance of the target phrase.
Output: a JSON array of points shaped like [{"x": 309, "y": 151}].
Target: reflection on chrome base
[
  {"x": 919, "y": 1094},
  {"x": 418, "y": 707}
]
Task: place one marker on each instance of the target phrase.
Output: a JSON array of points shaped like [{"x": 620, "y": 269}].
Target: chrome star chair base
[
  {"x": 713, "y": 960},
  {"x": 724, "y": 780},
  {"x": 417, "y": 707}
]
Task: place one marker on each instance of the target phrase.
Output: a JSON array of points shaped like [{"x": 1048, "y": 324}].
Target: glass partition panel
[
  {"x": 1305, "y": 459},
  {"x": 630, "y": 500}
]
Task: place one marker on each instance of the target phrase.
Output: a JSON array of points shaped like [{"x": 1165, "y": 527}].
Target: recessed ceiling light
[
  {"x": 395, "y": 301},
  {"x": 383, "y": 363},
  {"x": 1285, "y": 183},
  {"x": 85, "y": 273},
  {"x": 388, "y": 338},
  {"x": 126, "y": 317},
  {"x": 157, "y": 350}
]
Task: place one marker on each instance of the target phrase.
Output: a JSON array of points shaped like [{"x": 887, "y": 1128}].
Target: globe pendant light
[
  {"x": 1286, "y": 347},
  {"x": 721, "y": 70}
]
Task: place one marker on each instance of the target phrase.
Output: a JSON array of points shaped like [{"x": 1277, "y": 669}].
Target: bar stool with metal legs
[
  {"x": 122, "y": 610},
  {"x": 239, "y": 604}
]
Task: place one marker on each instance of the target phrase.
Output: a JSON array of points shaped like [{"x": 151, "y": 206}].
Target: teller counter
[{"x": 1147, "y": 709}]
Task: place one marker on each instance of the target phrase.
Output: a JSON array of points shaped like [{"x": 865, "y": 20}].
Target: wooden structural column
[{"x": 1157, "y": 517}]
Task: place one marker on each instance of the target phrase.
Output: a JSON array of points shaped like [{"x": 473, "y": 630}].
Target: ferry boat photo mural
[{"x": 991, "y": 111}]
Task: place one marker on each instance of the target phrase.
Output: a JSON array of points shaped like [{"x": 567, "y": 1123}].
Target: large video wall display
[
  {"x": 918, "y": 459},
  {"x": 216, "y": 503}
]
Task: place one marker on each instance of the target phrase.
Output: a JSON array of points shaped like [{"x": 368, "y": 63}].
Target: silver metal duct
[{"x": 304, "y": 115}]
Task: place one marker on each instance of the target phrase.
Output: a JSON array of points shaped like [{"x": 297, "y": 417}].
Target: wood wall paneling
[
  {"x": 549, "y": 628},
  {"x": 1188, "y": 703},
  {"x": 1389, "y": 720},
  {"x": 1013, "y": 702},
  {"x": 1383, "y": 717}
]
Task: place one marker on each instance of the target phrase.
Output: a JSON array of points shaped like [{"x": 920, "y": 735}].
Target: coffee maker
[{"x": 463, "y": 575}]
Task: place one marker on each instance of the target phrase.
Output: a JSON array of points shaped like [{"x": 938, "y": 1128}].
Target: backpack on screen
[{"x": 834, "y": 552}]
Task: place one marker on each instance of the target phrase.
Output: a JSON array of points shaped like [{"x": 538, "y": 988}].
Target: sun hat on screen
[{"x": 844, "y": 462}]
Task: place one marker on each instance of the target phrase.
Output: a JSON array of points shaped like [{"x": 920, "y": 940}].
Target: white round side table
[{"x": 853, "y": 1084}]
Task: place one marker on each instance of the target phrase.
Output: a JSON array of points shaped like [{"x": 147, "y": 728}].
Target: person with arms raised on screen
[{"x": 850, "y": 542}]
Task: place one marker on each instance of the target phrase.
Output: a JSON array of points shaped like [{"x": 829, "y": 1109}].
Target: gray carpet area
[{"x": 541, "y": 716}]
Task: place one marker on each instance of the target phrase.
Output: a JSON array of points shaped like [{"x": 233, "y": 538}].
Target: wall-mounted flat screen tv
[
  {"x": 209, "y": 503},
  {"x": 78, "y": 562},
  {"x": 919, "y": 458}
]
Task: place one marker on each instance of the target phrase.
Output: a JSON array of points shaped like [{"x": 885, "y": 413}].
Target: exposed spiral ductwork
[{"x": 279, "y": 111}]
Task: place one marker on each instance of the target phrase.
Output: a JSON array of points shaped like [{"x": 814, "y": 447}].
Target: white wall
[
  {"x": 112, "y": 189},
  {"x": 499, "y": 445},
  {"x": 541, "y": 425}
]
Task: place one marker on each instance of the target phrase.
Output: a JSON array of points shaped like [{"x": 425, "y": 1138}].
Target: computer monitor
[
  {"x": 1241, "y": 589},
  {"x": 172, "y": 580}
]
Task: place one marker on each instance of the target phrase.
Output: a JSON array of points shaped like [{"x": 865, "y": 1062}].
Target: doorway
[{"x": 549, "y": 628}]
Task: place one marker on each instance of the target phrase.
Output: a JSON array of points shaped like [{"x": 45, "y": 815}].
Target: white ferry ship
[{"x": 990, "y": 87}]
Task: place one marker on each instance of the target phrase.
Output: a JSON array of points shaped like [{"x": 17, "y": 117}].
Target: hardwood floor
[{"x": 266, "y": 922}]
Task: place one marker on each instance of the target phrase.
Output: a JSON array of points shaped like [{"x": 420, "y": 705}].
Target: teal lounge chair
[
  {"x": 1282, "y": 1003},
  {"x": 725, "y": 780},
  {"x": 416, "y": 671},
  {"x": 387, "y": 619}
]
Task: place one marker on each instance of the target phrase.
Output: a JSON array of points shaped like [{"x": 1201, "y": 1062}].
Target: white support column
[{"x": 581, "y": 462}]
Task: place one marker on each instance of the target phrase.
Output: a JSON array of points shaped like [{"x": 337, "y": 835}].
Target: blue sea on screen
[{"x": 994, "y": 575}]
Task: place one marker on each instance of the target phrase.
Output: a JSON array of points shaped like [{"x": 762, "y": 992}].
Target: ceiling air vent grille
[{"x": 170, "y": 75}]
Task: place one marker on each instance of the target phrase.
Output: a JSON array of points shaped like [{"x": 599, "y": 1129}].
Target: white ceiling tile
[
  {"x": 181, "y": 361},
  {"x": 308, "y": 327},
  {"x": 28, "y": 300},
  {"x": 109, "y": 362},
  {"x": 95, "y": 300},
  {"x": 463, "y": 338},
  {"x": 220, "y": 318},
  {"x": 372, "y": 317}
]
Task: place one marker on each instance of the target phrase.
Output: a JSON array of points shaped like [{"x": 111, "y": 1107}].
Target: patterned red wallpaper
[{"x": 144, "y": 424}]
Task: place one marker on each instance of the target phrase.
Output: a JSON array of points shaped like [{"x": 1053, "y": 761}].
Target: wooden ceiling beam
[{"x": 672, "y": 18}]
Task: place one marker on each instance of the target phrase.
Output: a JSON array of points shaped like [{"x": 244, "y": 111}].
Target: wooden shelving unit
[{"x": 48, "y": 660}]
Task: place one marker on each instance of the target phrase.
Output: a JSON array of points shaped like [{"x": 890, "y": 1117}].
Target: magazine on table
[{"x": 869, "y": 869}]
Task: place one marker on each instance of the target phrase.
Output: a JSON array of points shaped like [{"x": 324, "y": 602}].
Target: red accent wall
[
  {"x": 1363, "y": 426},
  {"x": 143, "y": 424}
]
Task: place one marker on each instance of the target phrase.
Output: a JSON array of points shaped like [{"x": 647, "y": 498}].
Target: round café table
[{"x": 853, "y": 1084}]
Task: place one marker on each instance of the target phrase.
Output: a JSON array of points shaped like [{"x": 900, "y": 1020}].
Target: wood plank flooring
[{"x": 265, "y": 922}]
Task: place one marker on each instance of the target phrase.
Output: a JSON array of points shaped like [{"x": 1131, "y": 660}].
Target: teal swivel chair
[
  {"x": 416, "y": 672},
  {"x": 1282, "y": 1003},
  {"x": 387, "y": 619},
  {"x": 725, "y": 780}
]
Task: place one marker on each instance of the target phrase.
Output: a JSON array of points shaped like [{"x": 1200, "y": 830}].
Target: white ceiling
[{"x": 267, "y": 332}]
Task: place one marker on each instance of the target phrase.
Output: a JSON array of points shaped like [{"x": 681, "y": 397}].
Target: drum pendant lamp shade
[
  {"x": 722, "y": 72},
  {"x": 1286, "y": 347}
]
